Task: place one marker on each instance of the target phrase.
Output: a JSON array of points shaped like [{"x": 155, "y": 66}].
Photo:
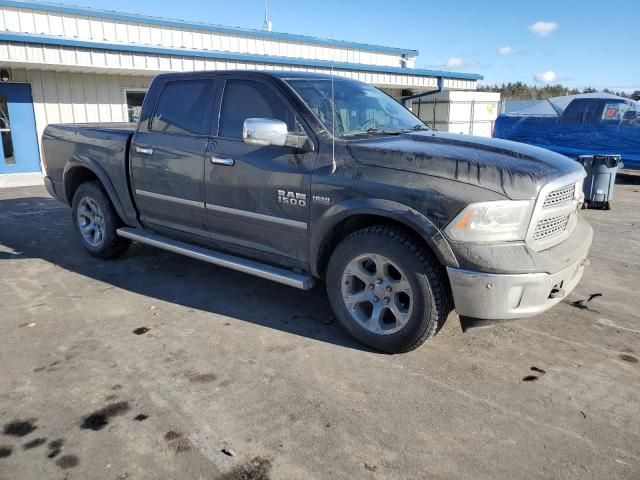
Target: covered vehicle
[{"x": 574, "y": 125}]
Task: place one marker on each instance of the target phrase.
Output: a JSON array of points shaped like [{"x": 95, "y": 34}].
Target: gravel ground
[{"x": 156, "y": 366}]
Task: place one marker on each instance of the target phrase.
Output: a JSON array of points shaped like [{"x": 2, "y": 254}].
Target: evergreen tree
[{"x": 522, "y": 91}]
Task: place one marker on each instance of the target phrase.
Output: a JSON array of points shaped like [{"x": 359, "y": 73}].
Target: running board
[{"x": 286, "y": 277}]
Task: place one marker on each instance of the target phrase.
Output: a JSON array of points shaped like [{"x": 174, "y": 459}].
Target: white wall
[
  {"x": 467, "y": 112},
  {"x": 62, "y": 97},
  {"x": 83, "y": 27},
  {"x": 34, "y": 56}
]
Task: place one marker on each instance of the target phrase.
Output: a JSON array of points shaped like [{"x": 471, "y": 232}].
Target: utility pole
[{"x": 267, "y": 26}]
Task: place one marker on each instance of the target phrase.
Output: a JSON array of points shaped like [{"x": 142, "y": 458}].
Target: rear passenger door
[
  {"x": 167, "y": 159},
  {"x": 258, "y": 197}
]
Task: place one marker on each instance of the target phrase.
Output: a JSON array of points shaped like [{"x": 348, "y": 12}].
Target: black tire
[
  {"x": 607, "y": 205},
  {"x": 430, "y": 303},
  {"x": 111, "y": 245}
]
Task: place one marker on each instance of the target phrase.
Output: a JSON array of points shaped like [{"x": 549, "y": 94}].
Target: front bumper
[{"x": 491, "y": 296}]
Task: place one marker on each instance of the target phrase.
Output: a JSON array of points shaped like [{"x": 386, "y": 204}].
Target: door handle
[
  {"x": 222, "y": 161},
  {"x": 144, "y": 151}
]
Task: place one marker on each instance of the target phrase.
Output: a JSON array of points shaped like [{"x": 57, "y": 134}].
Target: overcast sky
[{"x": 579, "y": 44}]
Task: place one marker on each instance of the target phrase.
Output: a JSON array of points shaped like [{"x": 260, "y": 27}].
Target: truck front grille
[
  {"x": 560, "y": 196},
  {"x": 550, "y": 227},
  {"x": 555, "y": 214}
]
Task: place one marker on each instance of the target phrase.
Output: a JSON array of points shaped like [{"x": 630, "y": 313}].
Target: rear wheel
[
  {"x": 385, "y": 290},
  {"x": 96, "y": 222}
]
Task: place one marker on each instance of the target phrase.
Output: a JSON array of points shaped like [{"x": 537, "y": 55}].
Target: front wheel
[
  {"x": 96, "y": 222},
  {"x": 386, "y": 290}
]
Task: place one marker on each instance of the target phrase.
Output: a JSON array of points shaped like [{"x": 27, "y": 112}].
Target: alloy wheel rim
[
  {"x": 377, "y": 294},
  {"x": 91, "y": 221}
]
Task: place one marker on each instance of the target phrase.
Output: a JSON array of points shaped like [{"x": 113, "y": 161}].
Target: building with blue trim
[{"x": 87, "y": 65}]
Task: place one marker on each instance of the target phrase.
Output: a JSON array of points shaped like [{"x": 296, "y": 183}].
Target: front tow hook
[{"x": 557, "y": 293}]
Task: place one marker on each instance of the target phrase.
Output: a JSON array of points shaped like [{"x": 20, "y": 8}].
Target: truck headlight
[{"x": 500, "y": 221}]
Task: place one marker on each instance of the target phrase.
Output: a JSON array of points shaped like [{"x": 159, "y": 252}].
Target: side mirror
[{"x": 268, "y": 131}]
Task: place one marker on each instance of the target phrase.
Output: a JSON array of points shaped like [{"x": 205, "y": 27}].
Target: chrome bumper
[{"x": 508, "y": 296}]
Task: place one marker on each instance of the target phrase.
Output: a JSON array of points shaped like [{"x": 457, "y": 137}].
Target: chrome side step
[{"x": 286, "y": 277}]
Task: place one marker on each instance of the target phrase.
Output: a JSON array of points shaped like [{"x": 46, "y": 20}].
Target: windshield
[
  {"x": 359, "y": 107},
  {"x": 603, "y": 111}
]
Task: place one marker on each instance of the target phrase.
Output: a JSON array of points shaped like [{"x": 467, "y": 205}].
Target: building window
[{"x": 134, "y": 104}]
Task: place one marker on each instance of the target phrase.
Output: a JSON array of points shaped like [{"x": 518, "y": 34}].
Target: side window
[
  {"x": 182, "y": 107},
  {"x": 248, "y": 99},
  {"x": 583, "y": 110}
]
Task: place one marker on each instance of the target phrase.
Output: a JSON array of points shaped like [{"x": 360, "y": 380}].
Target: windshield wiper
[
  {"x": 417, "y": 127},
  {"x": 372, "y": 131}
]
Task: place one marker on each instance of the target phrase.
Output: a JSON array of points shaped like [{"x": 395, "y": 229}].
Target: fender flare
[
  {"x": 98, "y": 171},
  {"x": 389, "y": 209}
]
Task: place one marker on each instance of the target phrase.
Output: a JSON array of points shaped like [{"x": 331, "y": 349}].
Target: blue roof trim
[
  {"x": 237, "y": 57},
  {"x": 165, "y": 22}
]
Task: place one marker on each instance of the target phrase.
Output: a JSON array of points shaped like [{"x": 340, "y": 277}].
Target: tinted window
[
  {"x": 587, "y": 110},
  {"x": 582, "y": 111},
  {"x": 182, "y": 107},
  {"x": 247, "y": 99}
]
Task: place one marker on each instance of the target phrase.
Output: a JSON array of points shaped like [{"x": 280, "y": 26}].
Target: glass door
[{"x": 19, "y": 147}]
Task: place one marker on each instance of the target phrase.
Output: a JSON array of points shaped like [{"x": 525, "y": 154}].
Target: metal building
[{"x": 71, "y": 64}]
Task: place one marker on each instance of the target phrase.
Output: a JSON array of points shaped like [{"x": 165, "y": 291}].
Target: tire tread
[
  {"x": 440, "y": 304},
  {"x": 114, "y": 245}
]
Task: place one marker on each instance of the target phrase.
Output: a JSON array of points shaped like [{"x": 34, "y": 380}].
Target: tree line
[{"x": 522, "y": 91}]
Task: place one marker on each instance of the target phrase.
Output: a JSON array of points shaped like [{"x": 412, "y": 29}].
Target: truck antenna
[
  {"x": 333, "y": 114},
  {"x": 267, "y": 25}
]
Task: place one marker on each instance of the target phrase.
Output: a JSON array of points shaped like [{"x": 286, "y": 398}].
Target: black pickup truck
[{"x": 296, "y": 177}]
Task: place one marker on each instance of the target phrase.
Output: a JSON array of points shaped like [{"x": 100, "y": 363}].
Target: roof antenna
[
  {"x": 267, "y": 25},
  {"x": 333, "y": 114}
]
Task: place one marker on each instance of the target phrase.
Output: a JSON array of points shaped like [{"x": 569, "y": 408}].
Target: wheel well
[
  {"x": 356, "y": 222},
  {"x": 76, "y": 177}
]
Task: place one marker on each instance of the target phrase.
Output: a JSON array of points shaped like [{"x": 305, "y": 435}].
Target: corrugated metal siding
[
  {"x": 63, "y": 97},
  {"x": 99, "y": 29},
  {"x": 458, "y": 84},
  {"x": 52, "y": 57}
]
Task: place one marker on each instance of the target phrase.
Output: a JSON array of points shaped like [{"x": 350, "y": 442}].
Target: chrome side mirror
[{"x": 268, "y": 131}]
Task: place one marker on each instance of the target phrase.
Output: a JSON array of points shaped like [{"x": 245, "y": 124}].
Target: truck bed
[{"x": 101, "y": 147}]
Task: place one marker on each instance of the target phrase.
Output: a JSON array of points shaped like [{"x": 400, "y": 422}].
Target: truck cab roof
[{"x": 284, "y": 75}]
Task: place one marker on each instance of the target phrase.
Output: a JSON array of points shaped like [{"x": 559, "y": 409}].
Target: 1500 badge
[{"x": 292, "y": 198}]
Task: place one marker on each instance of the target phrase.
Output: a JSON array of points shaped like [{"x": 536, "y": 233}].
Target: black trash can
[{"x": 599, "y": 184}]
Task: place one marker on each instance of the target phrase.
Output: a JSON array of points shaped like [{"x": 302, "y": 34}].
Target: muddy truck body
[{"x": 296, "y": 177}]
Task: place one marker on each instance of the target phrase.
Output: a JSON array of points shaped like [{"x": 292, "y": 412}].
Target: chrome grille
[
  {"x": 560, "y": 196},
  {"x": 550, "y": 227},
  {"x": 554, "y": 216}
]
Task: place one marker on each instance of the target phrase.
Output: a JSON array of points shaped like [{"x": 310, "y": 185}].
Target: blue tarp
[{"x": 593, "y": 123}]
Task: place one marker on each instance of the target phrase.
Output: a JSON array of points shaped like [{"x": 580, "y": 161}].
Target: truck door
[
  {"x": 167, "y": 159},
  {"x": 257, "y": 197}
]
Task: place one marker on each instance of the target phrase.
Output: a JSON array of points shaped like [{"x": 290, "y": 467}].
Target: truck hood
[{"x": 509, "y": 168}]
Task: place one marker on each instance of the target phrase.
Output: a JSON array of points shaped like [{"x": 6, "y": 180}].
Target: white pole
[{"x": 267, "y": 21}]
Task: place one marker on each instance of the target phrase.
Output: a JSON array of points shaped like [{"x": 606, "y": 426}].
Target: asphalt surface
[{"x": 155, "y": 366}]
